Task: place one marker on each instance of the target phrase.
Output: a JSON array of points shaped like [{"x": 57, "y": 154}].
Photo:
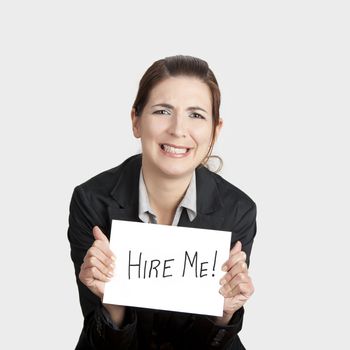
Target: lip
[
  {"x": 175, "y": 146},
  {"x": 175, "y": 155}
]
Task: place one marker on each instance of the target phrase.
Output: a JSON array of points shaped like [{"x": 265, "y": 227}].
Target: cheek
[
  {"x": 202, "y": 136},
  {"x": 152, "y": 131}
]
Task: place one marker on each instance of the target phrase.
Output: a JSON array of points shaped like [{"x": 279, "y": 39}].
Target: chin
[
  {"x": 171, "y": 168},
  {"x": 176, "y": 171}
]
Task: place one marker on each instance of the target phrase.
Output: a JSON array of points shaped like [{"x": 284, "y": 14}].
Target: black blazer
[{"x": 113, "y": 194}]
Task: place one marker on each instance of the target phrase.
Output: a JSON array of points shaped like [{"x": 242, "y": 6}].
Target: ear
[
  {"x": 135, "y": 121},
  {"x": 218, "y": 129}
]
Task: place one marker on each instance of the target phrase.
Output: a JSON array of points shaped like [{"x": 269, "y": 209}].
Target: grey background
[{"x": 69, "y": 71}]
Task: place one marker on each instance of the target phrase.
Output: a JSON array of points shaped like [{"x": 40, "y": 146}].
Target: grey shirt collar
[{"x": 189, "y": 202}]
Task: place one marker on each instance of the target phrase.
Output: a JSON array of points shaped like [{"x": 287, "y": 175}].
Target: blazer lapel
[
  {"x": 127, "y": 214},
  {"x": 208, "y": 203},
  {"x": 126, "y": 192},
  {"x": 207, "y": 221}
]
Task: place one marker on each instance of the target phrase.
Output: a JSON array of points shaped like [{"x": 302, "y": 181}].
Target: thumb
[
  {"x": 236, "y": 248},
  {"x": 98, "y": 234}
]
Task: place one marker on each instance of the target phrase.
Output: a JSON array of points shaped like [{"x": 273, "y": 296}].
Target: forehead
[{"x": 181, "y": 90}]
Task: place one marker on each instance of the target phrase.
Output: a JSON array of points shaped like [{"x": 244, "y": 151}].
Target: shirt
[{"x": 189, "y": 202}]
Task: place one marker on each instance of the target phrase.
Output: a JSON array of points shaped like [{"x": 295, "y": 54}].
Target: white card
[{"x": 167, "y": 267}]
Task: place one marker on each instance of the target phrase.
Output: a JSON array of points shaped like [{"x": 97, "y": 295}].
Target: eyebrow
[{"x": 193, "y": 108}]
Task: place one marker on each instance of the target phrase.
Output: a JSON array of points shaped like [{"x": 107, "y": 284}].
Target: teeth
[{"x": 174, "y": 150}]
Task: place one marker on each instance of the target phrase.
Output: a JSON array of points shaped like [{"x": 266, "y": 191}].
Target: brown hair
[{"x": 180, "y": 66}]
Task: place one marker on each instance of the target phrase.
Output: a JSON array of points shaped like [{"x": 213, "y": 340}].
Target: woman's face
[{"x": 175, "y": 126}]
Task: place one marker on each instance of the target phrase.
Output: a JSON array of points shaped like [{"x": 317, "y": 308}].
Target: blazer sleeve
[
  {"x": 204, "y": 329},
  {"x": 98, "y": 332},
  {"x": 205, "y": 334},
  {"x": 244, "y": 229}
]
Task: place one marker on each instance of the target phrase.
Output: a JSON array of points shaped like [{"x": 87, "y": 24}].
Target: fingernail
[
  {"x": 112, "y": 266},
  {"x": 110, "y": 273},
  {"x": 222, "y": 282},
  {"x": 221, "y": 291},
  {"x": 224, "y": 268},
  {"x": 113, "y": 257}
]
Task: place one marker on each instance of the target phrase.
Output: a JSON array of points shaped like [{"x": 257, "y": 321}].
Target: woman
[{"x": 176, "y": 116}]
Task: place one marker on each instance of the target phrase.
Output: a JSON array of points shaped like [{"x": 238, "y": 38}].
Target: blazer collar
[
  {"x": 126, "y": 190},
  {"x": 208, "y": 195}
]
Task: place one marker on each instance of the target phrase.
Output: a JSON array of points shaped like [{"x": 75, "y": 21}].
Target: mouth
[{"x": 174, "y": 150}]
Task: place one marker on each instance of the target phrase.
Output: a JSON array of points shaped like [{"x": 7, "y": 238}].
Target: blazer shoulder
[
  {"x": 232, "y": 195},
  {"x": 104, "y": 182}
]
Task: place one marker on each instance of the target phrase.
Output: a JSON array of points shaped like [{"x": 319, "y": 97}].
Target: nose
[{"x": 177, "y": 126}]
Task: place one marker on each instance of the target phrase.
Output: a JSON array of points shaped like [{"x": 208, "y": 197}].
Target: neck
[{"x": 165, "y": 193}]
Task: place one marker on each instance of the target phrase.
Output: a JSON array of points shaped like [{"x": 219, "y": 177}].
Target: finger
[
  {"x": 99, "y": 235},
  {"x": 234, "y": 259},
  {"x": 238, "y": 267},
  {"x": 99, "y": 253},
  {"x": 231, "y": 305},
  {"x": 236, "y": 248},
  {"x": 245, "y": 289},
  {"x": 87, "y": 278},
  {"x": 93, "y": 273},
  {"x": 104, "y": 248},
  {"x": 93, "y": 261},
  {"x": 239, "y": 278},
  {"x": 230, "y": 282}
]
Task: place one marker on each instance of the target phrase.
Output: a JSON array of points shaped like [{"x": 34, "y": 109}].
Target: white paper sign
[{"x": 167, "y": 267}]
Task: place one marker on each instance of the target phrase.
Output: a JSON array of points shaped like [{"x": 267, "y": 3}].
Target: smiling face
[{"x": 175, "y": 126}]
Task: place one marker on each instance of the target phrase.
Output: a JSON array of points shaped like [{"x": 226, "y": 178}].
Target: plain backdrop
[{"x": 69, "y": 72}]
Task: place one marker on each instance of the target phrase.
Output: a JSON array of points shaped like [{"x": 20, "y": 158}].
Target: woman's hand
[
  {"x": 98, "y": 265},
  {"x": 237, "y": 286},
  {"x": 97, "y": 269}
]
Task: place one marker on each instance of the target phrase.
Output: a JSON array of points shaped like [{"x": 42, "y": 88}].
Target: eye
[
  {"x": 162, "y": 112},
  {"x": 196, "y": 116}
]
